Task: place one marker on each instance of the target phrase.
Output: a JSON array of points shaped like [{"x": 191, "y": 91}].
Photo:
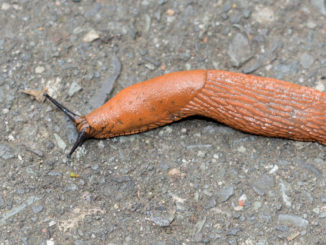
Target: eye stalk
[{"x": 79, "y": 121}]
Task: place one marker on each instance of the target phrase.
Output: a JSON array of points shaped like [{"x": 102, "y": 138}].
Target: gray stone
[
  {"x": 161, "y": 2},
  {"x": 288, "y": 219},
  {"x": 224, "y": 194},
  {"x": 71, "y": 187},
  {"x": 37, "y": 209},
  {"x": 162, "y": 220},
  {"x": 263, "y": 184},
  {"x": 312, "y": 169},
  {"x": 200, "y": 224},
  {"x": 39, "y": 69},
  {"x": 282, "y": 70},
  {"x": 55, "y": 173},
  {"x": 233, "y": 231},
  {"x": 94, "y": 10},
  {"x": 282, "y": 228},
  {"x": 320, "y": 6},
  {"x": 2, "y": 95},
  {"x": 227, "y": 6},
  {"x": 247, "y": 13},
  {"x": 323, "y": 198},
  {"x": 211, "y": 203},
  {"x": 101, "y": 94},
  {"x": 233, "y": 241},
  {"x": 321, "y": 215},
  {"x": 6, "y": 152},
  {"x": 235, "y": 19},
  {"x": 239, "y": 50},
  {"x": 74, "y": 88},
  {"x": 2, "y": 202},
  {"x": 71, "y": 131},
  {"x": 62, "y": 145},
  {"x": 306, "y": 60}
]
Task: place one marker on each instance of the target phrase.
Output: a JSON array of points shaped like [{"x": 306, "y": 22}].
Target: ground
[{"x": 192, "y": 182}]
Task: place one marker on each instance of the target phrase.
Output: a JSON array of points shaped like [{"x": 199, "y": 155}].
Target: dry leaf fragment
[
  {"x": 293, "y": 236},
  {"x": 36, "y": 94},
  {"x": 176, "y": 173}
]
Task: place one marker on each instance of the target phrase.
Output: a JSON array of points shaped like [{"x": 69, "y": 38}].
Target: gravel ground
[{"x": 191, "y": 182}]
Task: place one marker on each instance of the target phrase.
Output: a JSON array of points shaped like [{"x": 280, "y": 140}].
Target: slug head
[{"x": 80, "y": 122}]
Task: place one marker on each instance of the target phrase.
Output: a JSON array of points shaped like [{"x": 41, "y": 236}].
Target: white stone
[
  {"x": 91, "y": 36},
  {"x": 5, "y": 6},
  {"x": 39, "y": 69}
]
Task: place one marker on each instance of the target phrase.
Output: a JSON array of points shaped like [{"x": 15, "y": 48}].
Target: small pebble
[
  {"x": 224, "y": 194},
  {"x": 316, "y": 210},
  {"x": 294, "y": 220},
  {"x": 39, "y": 69},
  {"x": 161, "y": 2},
  {"x": 91, "y": 36},
  {"x": 273, "y": 170},
  {"x": 2, "y": 95},
  {"x": 306, "y": 60},
  {"x": 62, "y": 145},
  {"x": 37, "y": 209},
  {"x": 211, "y": 203},
  {"x": 233, "y": 231},
  {"x": 150, "y": 66},
  {"x": 71, "y": 187},
  {"x": 284, "y": 188},
  {"x": 239, "y": 50},
  {"x": 311, "y": 24},
  {"x": 162, "y": 220},
  {"x": 52, "y": 223},
  {"x": 312, "y": 169},
  {"x": 247, "y": 13},
  {"x": 322, "y": 215},
  {"x": 54, "y": 173},
  {"x": 257, "y": 205},
  {"x": 5, "y": 6},
  {"x": 74, "y": 88},
  {"x": 282, "y": 228},
  {"x": 2, "y": 202},
  {"x": 320, "y": 86},
  {"x": 242, "y": 149},
  {"x": 200, "y": 224},
  {"x": 235, "y": 19},
  {"x": 227, "y": 7},
  {"x": 233, "y": 241},
  {"x": 263, "y": 14},
  {"x": 263, "y": 184},
  {"x": 323, "y": 198},
  {"x": 282, "y": 70},
  {"x": 6, "y": 152}
]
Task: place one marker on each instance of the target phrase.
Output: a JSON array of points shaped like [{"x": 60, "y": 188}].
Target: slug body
[{"x": 253, "y": 104}]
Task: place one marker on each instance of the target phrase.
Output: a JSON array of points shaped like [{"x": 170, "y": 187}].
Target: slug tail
[{"x": 80, "y": 122}]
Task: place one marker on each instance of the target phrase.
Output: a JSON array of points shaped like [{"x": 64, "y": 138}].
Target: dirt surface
[{"x": 191, "y": 182}]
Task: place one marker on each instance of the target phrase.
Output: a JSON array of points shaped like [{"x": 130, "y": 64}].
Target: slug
[{"x": 252, "y": 104}]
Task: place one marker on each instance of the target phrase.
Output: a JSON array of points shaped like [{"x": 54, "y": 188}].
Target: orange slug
[{"x": 253, "y": 104}]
